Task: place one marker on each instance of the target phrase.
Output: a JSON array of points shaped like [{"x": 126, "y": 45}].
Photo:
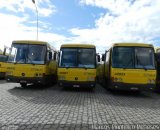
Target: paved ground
[{"x": 78, "y": 109}]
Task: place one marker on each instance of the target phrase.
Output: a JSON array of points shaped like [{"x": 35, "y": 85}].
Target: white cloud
[
  {"x": 18, "y": 6},
  {"x": 12, "y": 28},
  {"x": 123, "y": 22},
  {"x": 115, "y": 6}
]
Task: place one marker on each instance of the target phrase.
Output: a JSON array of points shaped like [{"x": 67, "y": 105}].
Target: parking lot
[{"x": 53, "y": 107}]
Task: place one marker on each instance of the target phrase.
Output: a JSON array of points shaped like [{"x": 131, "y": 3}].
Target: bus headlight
[
  {"x": 91, "y": 79},
  {"x": 38, "y": 75},
  {"x": 9, "y": 73},
  {"x": 61, "y": 77},
  {"x": 151, "y": 81},
  {"x": 117, "y": 79}
]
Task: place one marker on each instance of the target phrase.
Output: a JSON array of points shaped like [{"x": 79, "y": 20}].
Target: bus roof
[
  {"x": 29, "y": 42},
  {"x": 133, "y": 44},
  {"x": 34, "y": 42},
  {"x": 79, "y": 45}
]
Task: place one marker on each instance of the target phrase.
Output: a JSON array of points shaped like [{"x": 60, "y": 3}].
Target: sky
[{"x": 98, "y": 22}]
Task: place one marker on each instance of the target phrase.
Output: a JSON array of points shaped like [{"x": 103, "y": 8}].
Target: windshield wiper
[
  {"x": 83, "y": 66},
  {"x": 19, "y": 61}
]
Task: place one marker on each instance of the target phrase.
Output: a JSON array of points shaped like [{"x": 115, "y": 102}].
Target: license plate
[
  {"x": 22, "y": 81},
  {"x": 134, "y": 88},
  {"x": 76, "y": 86}
]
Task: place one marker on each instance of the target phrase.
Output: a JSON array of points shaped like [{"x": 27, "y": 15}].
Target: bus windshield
[
  {"x": 77, "y": 57},
  {"x": 3, "y": 58},
  {"x": 133, "y": 57},
  {"x": 27, "y": 54}
]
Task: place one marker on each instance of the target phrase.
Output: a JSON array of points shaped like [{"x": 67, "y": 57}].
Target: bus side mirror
[
  {"x": 55, "y": 55},
  {"x": 58, "y": 55},
  {"x": 98, "y": 58},
  {"x": 50, "y": 55},
  {"x": 103, "y": 57}
]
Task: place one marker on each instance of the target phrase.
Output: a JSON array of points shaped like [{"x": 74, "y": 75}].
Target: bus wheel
[{"x": 23, "y": 85}]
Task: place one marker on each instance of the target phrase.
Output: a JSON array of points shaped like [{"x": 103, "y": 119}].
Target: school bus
[
  {"x": 3, "y": 60},
  {"x": 32, "y": 62},
  {"x": 130, "y": 66},
  {"x": 77, "y": 65}
]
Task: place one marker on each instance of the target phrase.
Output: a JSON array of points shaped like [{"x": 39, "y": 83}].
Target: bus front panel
[
  {"x": 133, "y": 68},
  {"x": 26, "y": 73},
  {"x": 134, "y": 79},
  {"x": 30, "y": 63},
  {"x": 77, "y": 67},
  {"x": 76, "y": 77}
]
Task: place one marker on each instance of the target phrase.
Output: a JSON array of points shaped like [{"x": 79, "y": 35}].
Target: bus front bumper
[
  {"x": 129, "y": 86},
  {"x": 77, "y": 84},
  {"x": 34, "y": 80}
]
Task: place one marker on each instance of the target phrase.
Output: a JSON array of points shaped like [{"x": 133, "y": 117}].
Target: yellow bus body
[
  {"x": 77, "y": 77},
  {"x": 3, "y": 67},
  {"x": 131, "y": 76},
  {"x": 128, "y": 79},
  {"x": 32, "y": 73},
  {"x": 83, "y": 75}
]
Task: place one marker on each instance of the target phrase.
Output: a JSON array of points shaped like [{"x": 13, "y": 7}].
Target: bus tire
[{"x": 23, "y": 85}]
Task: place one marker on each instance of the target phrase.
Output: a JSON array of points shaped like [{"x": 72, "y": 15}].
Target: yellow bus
[
  {"x": 77, "y": 65},
  {"x": 3, "y": 60},
  {"x": 130, "y": 66},
  {"x": 32, "y": 62}
]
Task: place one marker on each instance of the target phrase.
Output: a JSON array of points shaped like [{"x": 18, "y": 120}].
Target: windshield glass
[
  {"x": 18, "y": 53},
  {"x": 133, "y": 57},
  {"x": 26, "y": 53},
  {"x": 86, "y": 58},
  {"x": 68, "y": 57},
  {"x": 36, "y": 54},
  {"x": 123, "y": 57},
  {"x": 79, "y": 57},
  {"x": 144, "y": 58},
  {"x": 3, "y": 58}
]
